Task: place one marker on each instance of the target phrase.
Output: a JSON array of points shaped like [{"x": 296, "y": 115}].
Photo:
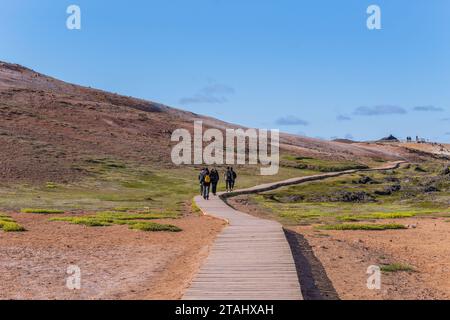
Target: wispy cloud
[
  {"x": 342, "y": 117},
  {"x": 379, "y": 110},
  {"x": 291, "y": 121},
  {"x": 214, "y": 93},
  {"x": 447, "y": 133},
  {"x": 428, "y": 109},
  {"x": 445, "y": 119}
]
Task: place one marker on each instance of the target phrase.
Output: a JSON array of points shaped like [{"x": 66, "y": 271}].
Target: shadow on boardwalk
[{"x": 314, "y": 282}]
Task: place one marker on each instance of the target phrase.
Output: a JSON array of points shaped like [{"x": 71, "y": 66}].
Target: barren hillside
[{"x": 47, "y": 126}]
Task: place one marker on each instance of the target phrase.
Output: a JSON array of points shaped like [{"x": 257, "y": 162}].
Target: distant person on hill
[
  {"x": 229, "y": 179},
  {"x": 201, "y": 179},
  {"x": 206, "y": 184},
  {"x": 233, "y": 180},
  {"x": 214, "y": 180}
]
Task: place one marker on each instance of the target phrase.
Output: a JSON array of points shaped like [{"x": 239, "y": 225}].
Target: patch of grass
[
  {"x": 368, "y": 227},
  {"x": 138, "y": 216},
  {"x": 51, "y": 185},
  {"x": 377, "y": 216},
  {"x": 7, "y": 224},
  {"x": 195, "y": 209},
  {"x": 321, "y": 165},
  {"x": 41, "y": 211},
  {"x": 90, "y": 222},
  {"x": 397, "y": 267},
  {"x": 154, "y": 227},
  {"x": 134, "y": 221}
]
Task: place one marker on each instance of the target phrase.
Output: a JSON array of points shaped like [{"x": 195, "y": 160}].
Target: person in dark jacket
[
  {"x": 206, "y": 184},
  {"x": 233, "y": 180},
  {"x": 201, "y": 178},
  {"x": 228, "y": 179},
  {"x": 214, "y": 180}
]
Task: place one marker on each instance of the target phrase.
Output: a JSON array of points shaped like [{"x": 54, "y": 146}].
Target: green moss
[
  {"x": 377, "y": 216},
  {"x": 87, "y": 221},
  {"x": 397, "y": 267},
  {"x": 7, "y": 224},
  {"x": 41, "y": 211},
  {"x": 51, "y": 185},
  {"x": 134, "y": 221},
  {"x": 195, "y": 209},
  {"x": 154, "y": 227},
  {"x": 368, "y": 227},
  {"x": 321, "y": 165}
]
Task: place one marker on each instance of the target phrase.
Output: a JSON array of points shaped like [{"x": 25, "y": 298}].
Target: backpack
[
  {"x": 229, "y": 175},
  {"x": 207, "y": 179}
]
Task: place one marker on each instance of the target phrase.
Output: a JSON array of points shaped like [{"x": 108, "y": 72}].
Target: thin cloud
[
  {"x": 214, "y": 93},
  {"x": 445, "y": 119},
  {"x": 379, "y": 110},
  {"x": 201, "y": 98},
  {"x": 342, "y": 117},
  {"x": 428, "y": 109},
  {"x": 291, "y": 121},
  {"x": 447, "y": 133}
]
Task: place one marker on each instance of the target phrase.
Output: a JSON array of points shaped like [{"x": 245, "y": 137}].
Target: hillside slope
[{"x": 47, "y": 126}]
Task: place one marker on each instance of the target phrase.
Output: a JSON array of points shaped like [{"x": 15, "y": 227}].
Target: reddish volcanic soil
[
  {"x": 115, "y": 262},
  {"x": 346, "y": 255}
]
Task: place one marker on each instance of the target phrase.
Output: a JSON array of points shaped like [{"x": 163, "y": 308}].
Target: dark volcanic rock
[
  {"x": 292, "y": 198},
  {"x": 361, "y": 196},
  {"x": 389, "y": 190},
  {"x": 366, "y": 180},
  {"x": 431, "y": 189}
]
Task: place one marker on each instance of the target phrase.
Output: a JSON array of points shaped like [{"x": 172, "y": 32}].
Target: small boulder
[
  {"x": 365, "y": 180},
  {"x": 430, "y": 189}
]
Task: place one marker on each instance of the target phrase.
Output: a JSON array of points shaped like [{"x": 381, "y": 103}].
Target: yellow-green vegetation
[
  {"x": 51, "y": 185},
  {"x": 367, "y": 227},
  {"x": 380, "y": 215},
  {"x": 370, "y": 196},
  {"x": 112, "y": 184},
  {"x": 322, "y": 165},
  {"x": 195, "y": 209},
  {"x": 137, "y": 221},
  {"x": 397, "y": 267},
  {"x": 7, "y": 224},
  {"x": 41, "y": 211}
]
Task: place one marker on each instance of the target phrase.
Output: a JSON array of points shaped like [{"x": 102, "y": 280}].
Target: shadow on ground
[{"x": 314, "y": 281}]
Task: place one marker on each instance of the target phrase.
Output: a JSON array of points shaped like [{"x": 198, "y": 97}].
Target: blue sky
[{"x": 307, "y": 67}]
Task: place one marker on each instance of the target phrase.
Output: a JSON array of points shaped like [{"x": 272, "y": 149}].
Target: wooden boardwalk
[{"x": 251, "y": 259}]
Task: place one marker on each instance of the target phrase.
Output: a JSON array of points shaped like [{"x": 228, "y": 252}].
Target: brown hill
[{"x": 47, "y": 126}]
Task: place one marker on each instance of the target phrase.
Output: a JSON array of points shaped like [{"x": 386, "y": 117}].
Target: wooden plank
[{"x": 250, "y": 260}]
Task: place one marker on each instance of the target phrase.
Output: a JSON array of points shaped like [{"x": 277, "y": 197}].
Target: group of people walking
[{"x": 210, "y": 179}]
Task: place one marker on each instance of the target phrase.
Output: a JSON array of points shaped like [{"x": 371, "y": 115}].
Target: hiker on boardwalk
[
  {"x": 201, "y": 178},
  {"x": 214, "y": 180},
  {"x": 233, "y": 180},
  {"x": 206, "y": 184},
  {"x": 229, "y": 179}
]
